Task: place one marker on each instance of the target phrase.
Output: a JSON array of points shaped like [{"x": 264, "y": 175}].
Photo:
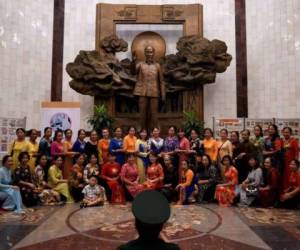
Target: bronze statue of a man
[{"x": 149, "y": 87}]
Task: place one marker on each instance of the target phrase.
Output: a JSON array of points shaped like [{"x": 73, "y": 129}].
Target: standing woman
[
  {"x": 25, "y": 180},
  {"x": 171, "y": 142},
  {"x": 155, "y": 173},
  {"x": 33, "y": 149},
  {"x": 210, "y": 145},
  {"x": 14, "y": 202},
  {"x": 68, "y": 153},
  {"x": 91, "y": 147},
  {"x": 235, "y": 141},
  {"x": 142, "y": 149},
  {"x": 224, "y": 148},
  {"x": 225, "y": 192},
  {"x": 258, "y": 142},
  {"x": 19, "y": 145},
  {"x": 196, "y": 146},
  {"x": 273, "y": 146},
  {"x": 130, "y": 141},
  {"x": 291, "y": 152},
  {"x": 103, "y": 146},
  {"x": 79, "y": 144},
  {"x": 156, "y": 144},
  {"x": 245, "y": 150},
  {"x": 130, "y": 176},
  {"x": 57, "y": 146},
  {"x": 183, "y": 150},
  {"x": 56, "y": 181},
  {"x": 45, "y": 148},
  {"x": 116, "y": 146}
]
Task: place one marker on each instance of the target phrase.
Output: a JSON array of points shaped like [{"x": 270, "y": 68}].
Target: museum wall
[
  {"x": 26, "y": 57},
  {"x": 273, "y": 52},
  {"x": 219, "y": 22}
]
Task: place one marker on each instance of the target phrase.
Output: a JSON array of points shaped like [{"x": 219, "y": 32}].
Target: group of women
[{"x": 238, "y": 168}]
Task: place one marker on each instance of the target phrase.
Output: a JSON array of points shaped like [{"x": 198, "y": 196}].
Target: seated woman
[
  {"x": 47, "y": 195},
  {"x": 249, "y": 187},
  {"x": 225, "y": 192},
  {"x": 91, "y": 169},
  {"x": 130, "y": 176},
  {"x": 155, "y": 173},
  {"x": 207, "y": 179},
  {"x": 187, "y": 186},
  {"x": 269, "y": 193},
  {"x": 25, "y": 180},
  {"x": 291, "y": 196},
  {"x": 56, "y": 181},
  {"x": 75, "y": 181},
  {"x": 13, "y": 200},
  {"x": 94, "y": 194},
  {"x": 170, "y": 179},
  {"x": 111, "y": 174}
]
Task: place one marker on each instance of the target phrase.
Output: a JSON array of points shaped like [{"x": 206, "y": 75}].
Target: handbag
[{"x": 251, "y": 191}]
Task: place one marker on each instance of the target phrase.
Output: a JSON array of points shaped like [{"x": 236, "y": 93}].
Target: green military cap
[{"x": 151, "y": 207}]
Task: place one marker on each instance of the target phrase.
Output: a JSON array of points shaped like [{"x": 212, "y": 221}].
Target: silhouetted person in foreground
[{"x": 151, "y": 210}]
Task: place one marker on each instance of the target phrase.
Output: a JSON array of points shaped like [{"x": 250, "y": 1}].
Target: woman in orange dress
[
  {"x": 129, "y": 141},
  {"x": 291, "y": 152},
  {"x": 225, "y": 193},
  {"x": 111, "y": 174},
  {"x": 186, "y": 187},
  {"x": 68, "y": 152},
  {"x": 155, "y": 173},
  {"x": 210, "y": 145},
  {"x": 103, "y": 146}
]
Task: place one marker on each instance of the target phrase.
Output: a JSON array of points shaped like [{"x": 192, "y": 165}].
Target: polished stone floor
[{"x": 191, "y": 227}]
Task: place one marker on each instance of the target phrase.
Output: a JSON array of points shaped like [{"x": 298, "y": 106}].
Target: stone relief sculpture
[{"x": 100, "y": 73}]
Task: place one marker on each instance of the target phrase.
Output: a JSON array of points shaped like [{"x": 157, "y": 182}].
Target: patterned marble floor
[{"x": 191, "y": 227}]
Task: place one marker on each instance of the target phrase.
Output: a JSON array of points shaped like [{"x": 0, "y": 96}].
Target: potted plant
[
  {"x": 101, "y": 119},
  {"x": 191, "y": 122}
]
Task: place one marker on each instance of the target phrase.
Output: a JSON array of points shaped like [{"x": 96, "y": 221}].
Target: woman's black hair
[
  {"x": 228, "y": 157},
  {"x": 130, "y": 155},
  {"x": 20, "y": 129},
  {"x": 153, "y": 154},
  {"x": 247, "y": 130},
  {"x": 77, "y": 156},
  {"x": 67, "y": 130},
  {"x": 237, "y": 133},
  {"x": 38, "y": 159},
  {"x": 208, "y": 158},
  {"x": 174, "y": 127},
  {"x": 55, "y": 157},
  {"x": 155, "y": 128},
  {"x": 56, "y": 133},
  {"x": 289, "y": 128},
  {"x": 130, "y": 127},
  {"x": 5, "y": 159},
  {"x": 254, "y": 157},
  {"x": 31, "y": 131},
  {"x": 261, "y": 133},
  {"x": 79, "y": 132},
  {"x": 276, "y": 135},
  {"x": 90, "y": 156},
  {"x": 180, "y": 130},
  {"x": 210, "y": 131},
  {"x": 115, "y": 129},
  {"x": 22, "y": 154},
  {"x": 297, "y": 163},
  {"x": 273, "y": 162},
  {"x": 225, "y": 130},
  {"x": 46, "y": 128}
]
